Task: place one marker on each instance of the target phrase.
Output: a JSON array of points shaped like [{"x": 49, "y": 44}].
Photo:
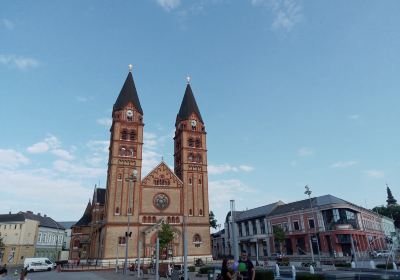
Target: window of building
[
  {"x": 190, "y": 212},
  {"x": 119, "y": 177},
  {"x": 129, "y": 210},
  {"x": 154, "y": 220},
  {"x": 201, "y": 212},
  {"x": 132, "y": 135},
  {"x": 311, "y": 223},
  {"x": 124, "y": 135},
  {"x": 254, "y": 226},
  {"x": 199, "y": 181},
  {"x": 246, "y": 225},
  {"x": 191, "y": 142},
  {"x": 198, "y": 158},
  {"x": 262, "y": 226},
  {"x": 121, "y": 240},
  {"x": 190, "y": 157},
  {"x": 117, "y": 211},
  {"x": 132, "y": 152},
  {"x": 122, "y": 151},
  {"x": 190, "y": 181},
  {"x": 285, "y": 227},
  {"x": 296, "y": 225},
  {"x": 198, "y": 143}
]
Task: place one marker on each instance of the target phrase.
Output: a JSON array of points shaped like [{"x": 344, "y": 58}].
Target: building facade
[
  {"x": 18, "y": 235},
  {"x": 178, "y": 197},
  {"x": 324, "y": 225}
]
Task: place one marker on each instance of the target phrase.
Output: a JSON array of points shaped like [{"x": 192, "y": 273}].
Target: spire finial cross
[
  {"x": 188, "y": 78},
  {"x": 130, "y": 67}
]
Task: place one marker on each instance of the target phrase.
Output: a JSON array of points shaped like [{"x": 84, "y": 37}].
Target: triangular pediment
[{"x": 162, "y": 176}]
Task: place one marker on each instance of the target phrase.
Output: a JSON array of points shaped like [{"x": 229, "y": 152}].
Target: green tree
[
  {"x": 279, "y": 236},
  {"x": 213, "y": 221},
  {"x": 391, "y": 211},
  {"x": 165, "y": 235}
]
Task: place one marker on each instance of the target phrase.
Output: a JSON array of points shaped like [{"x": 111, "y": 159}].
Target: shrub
[
  {"x": 309, "y": 276},
  {"x": 383, "y": 266},
  {"x": 264, "y": 275},
  {"x": 205, "y": 269},
  {"x": 307, "y": 264},
  {"x": 343, "y": 264},
  {"x": 192, "y": 268},
  {"x": 283, "y": 261}
]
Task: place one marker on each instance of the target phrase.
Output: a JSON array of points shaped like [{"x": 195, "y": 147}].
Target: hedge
[
  {"x": 309, "y": 276},
  {"x": 192, "y": 268},
  {"x": 343, "y": 264},
  {"x": 205, "y": 269},
  {"x": 383, "y": 266},
  {"x": 264, "y": 275}
]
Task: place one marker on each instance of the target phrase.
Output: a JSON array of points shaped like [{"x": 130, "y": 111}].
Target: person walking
[
  {"x": 248, "y": 272},
  {"x": 226, "y": 274}
]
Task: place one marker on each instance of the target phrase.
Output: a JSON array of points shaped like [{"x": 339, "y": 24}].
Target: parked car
[
  {"x": 383, "y": 254},
  {"x": 39, "y": 266}
]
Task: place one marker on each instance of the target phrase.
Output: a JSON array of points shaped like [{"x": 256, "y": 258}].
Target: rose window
[{"x": 161, "y": 201}]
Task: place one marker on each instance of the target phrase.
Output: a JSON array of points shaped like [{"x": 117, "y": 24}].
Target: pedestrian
[
  {"x": 3, "y": 270},
  {"x": 24, "y": 274},
  {"x": 248, "y": 273},
  {"x": 226, "y": 274}
]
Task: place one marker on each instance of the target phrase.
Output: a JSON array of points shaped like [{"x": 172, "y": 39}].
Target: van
[{"x": 36, "y": 264}]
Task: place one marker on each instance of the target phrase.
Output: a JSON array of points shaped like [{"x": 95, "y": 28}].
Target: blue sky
[{"x": 292, "y": 93}]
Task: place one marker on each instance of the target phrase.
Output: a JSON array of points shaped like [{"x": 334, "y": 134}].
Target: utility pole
[
  {"x": 233, "y": 227},
  {"x": 131, "y": 179},
  {"x": 185, "y": 248},
  {"x": 308, "y": 192}
]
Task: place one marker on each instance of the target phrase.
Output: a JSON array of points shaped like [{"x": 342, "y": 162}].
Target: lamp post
[
  {"x": 58, "y": 232},
  {"x": 233, "y": 227},
  {"x": 131, "y": 179},
  {"x": 308, "y": 192}
]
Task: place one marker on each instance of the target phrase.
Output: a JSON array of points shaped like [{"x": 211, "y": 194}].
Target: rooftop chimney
[
  {"x": 38, "y": 214},
  {"x": 45, "y": 215},
  {"x": 30, "y": 212}
]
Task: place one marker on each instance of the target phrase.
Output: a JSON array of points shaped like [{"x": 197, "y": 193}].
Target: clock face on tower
[
  {"x": 193, "y": 122},
  {"x": 129, "y": 113},
  {"x": 161, "y": 201}
]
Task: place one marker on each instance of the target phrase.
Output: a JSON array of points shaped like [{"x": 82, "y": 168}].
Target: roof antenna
[
  {"x": 130, "y": 67},
  {"x": 188, "y": 78},
  {"x": 162, "y": 158}
]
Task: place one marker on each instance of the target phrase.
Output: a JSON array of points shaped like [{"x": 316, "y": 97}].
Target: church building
[{"x": 143, "y": 202}]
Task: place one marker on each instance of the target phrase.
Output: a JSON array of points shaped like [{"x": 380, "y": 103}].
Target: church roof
[
  {"x": 128, "y": 94},
  {"x": 188, "y": 106},
  {"x": 162, "y": 163},
  {"x": 86, "y": 218}
]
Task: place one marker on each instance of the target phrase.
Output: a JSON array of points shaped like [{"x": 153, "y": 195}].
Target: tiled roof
[
  {"x": 128, "y": 94},
  {"x": 12, "y": 218},
  {"x": 188, "y": 106},
  {"x": 258, "y": 212},
  {"x": 305, "y": 204},
  {"x": 67, "y": 225},
  {"x": 86, "y": 218},
  {"x": 44, "y": 221},
  {"x": 101, "y": 196}
]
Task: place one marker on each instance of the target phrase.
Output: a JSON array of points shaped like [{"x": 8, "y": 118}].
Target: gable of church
[{"x": 162, "y": 176}]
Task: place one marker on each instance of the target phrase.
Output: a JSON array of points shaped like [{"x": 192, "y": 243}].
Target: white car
[
  {"x": 39, "y": 266},
  {"x": 383, "y": 254}
]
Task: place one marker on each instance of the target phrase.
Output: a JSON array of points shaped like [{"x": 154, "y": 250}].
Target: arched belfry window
[
  {"x": 198, "y": 158},
  {"x": 198, "y": 143},
  {"x": 122, "y": 151},
  {"x": 132, "y": 135},
  {"x": 124, "y": 134},
  {"x": 191, "y": 142},
  {"x": 190, "y": 157}
]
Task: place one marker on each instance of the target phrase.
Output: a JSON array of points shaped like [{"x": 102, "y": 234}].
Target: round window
[{"x": 161, "y": 201}]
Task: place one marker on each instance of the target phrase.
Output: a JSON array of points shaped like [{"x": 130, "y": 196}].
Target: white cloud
[
  {"x": 105, "y": 121},
  {"x": 231, "y": 189},
  {"x": 22, "y": 63},
  {"x": 353, "y": 117},
  {"x": 99, "y": 145},
  {"x": 39, "y": 191},
  {"x": 305, "y": 152},
  {"x": 344, "y": 164},
  {"x": 150, "y": 160},
  {"x": 48, "y": 143},
  {"x": 287, "y": 14},
  {"x": 78, "y": 171},
  {"x": 62, "y": 154},
  {"x": 12, "y": 159},
  {"x": 8, "y": 24},
  {"x": 169, "y": 5},
  {"x": 82, "y": 99},
  {"x": 372, "y": 173},
  {"x": 150, "y": 140},
  {"x": 224, "y": 168}
]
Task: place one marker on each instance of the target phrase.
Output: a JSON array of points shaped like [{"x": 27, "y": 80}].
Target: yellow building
[{"x": 18, "y": 235}]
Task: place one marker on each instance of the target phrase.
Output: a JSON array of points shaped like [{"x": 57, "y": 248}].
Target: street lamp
[
  {"x": 131, "y": 179},
  {"x": 308, "y": 192},
  {"x": 233, "y": 227}
]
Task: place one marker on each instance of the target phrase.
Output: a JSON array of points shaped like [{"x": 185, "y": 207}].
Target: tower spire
[
  {"x": 128, "y": 94},
  {"x": 188, "y": 105}
]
